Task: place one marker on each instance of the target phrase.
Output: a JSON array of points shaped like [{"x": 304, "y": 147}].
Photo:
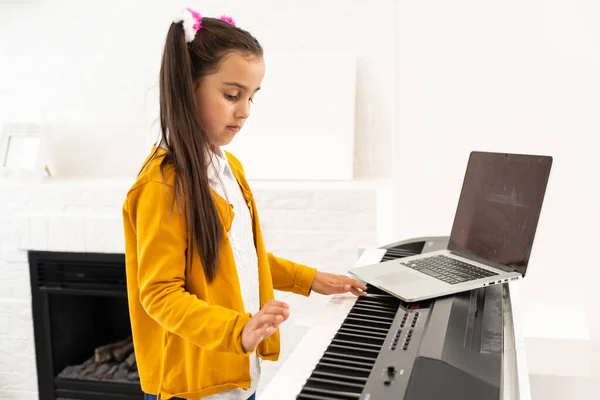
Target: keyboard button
[
  {"x": 449, "y": 270},
  {"x": 430, "y": 272}
]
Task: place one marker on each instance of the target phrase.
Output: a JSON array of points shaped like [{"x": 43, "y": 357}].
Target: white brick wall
[
  {"x": 322, "y": 225},
  {"x": 17, "y": 354}
]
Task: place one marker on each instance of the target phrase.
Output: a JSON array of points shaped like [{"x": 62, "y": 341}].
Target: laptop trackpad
[{"x": 399, "y": 277}]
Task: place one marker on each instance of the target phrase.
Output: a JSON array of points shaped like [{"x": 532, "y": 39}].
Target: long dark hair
[{"x": 186, "y": 142}]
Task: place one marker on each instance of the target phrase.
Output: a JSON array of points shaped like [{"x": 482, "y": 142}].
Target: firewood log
[
  {"x": 130, "y": 361},
  {"x": 106, "y": 353},
  {"x": 121, "y": 352}
]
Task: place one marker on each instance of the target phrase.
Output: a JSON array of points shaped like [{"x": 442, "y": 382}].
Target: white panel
[{"x": 302, "y": 121}]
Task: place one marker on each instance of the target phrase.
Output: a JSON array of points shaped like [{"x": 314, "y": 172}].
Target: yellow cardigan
[{"x": 186, "y": 332}]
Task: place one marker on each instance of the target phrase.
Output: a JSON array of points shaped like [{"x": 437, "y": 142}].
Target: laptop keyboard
[{"x": 448, "y": 269}]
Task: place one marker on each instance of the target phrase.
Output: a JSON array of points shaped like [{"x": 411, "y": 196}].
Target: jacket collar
[{"x": 216, "y": 168}]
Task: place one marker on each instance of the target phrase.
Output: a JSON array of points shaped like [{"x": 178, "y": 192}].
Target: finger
[
  {"x": 285, "y": 313},
  {"x": 267, "y": 309},
  {"x": 357, "y": 292},
  {"x": 349, "y": 288},
  {"x": 358, "y": 284},
  {"x": 270, "y": 319},
  {"x": 264, "y": 331},
  {"x": 340, "y": 289},
  {"x": 277, "y": 303},
  {"x": 358, "y": 287},
  {"x": 261, "y": 318},
  {"x": 354, "y": 282}
]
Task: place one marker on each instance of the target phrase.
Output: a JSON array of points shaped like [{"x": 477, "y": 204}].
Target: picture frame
[{"x": 24, "y": 152}]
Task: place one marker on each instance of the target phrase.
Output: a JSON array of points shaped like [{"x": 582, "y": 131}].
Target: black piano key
[
  {"x": 336, "y": 352},
  {"x": 357, "y": 344},
  {"x": 400, "y": 252},
  {"x": 336, "y": 384},
  {"x": 371, "y": 334},
  {"x": 318, "y": 397},
  {"x": 360, "y": 313},
  {"x": 323, "y": 364},
  {"x": 393, "y": 254},
  {"x": 383, "y": 300},
  {"x": 372, "y": 317},
  {"x": 343, "y": 361},
  {"x": 369, "y": 354},
  {"x": 313, "y": 393},
  {"x": 365, "y": 328},
  {"x": 349, "y": 376},
  {"x": 370, "y": 338},
  {"x": 368, "y": 323},
  {"x": 376, "y": 310}
]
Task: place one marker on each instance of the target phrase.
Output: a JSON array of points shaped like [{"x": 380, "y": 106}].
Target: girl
[{"x": 200, "y": 281}]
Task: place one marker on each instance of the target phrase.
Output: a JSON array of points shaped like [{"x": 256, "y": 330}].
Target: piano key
[
  {"x": 368, "y": 354},
  {"x": 339, "y": 355},
  {"x": 316, "y": 397},
  {"x": 342, "y": 334},
  {"x": 340, "y": 366},
  {"x": 336, "y": 384},
  {"x": 371, "y": 308},
  {"x": 339, "y": 394},
  {"x": 367, "y": 323},
  {"x": 344, "y": 375},
  {"x": 386, "y": 319},
  {"x": 346, "y": 362},
  {"x": 357, "y": 343},
  {"x": 372, "y": 334}
]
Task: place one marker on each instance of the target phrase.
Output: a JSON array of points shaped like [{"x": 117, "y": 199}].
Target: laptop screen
[{"x": 499, "y": 207}]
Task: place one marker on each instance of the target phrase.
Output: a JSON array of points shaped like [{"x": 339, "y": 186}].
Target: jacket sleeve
[
  {"x": 161, "y": 255},
  {"x": 291, "y": 277}
]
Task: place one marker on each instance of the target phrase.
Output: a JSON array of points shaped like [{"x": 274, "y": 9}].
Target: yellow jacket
[{"x": 186, "y": 333}]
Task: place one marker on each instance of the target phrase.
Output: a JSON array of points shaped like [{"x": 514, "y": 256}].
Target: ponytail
[
  {"x": 185, "y": 63},
  {"x": 187, "y": 149}
]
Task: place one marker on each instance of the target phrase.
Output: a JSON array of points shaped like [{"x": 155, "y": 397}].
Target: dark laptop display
[{"x": 499, "y": 188}]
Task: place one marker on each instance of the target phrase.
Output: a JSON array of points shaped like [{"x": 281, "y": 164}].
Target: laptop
[{"x": 491, "y": 237}]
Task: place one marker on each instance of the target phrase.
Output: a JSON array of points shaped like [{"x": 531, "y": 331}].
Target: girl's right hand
[{"x": 264, "y": 323}]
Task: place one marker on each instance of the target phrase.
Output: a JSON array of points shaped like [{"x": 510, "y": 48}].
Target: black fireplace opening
[{"x": 81, "y": 327}]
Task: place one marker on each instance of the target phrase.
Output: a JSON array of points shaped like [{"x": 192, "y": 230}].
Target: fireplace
[{"x": 81, "y": 326}]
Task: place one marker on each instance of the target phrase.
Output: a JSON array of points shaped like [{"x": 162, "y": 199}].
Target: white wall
[
  {"x": 91, "y": 70},
  {"x": 514, "y": 76}
]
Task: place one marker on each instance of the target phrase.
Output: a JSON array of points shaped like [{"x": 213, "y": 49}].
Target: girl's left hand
[{"x": 325, "y": 283}]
